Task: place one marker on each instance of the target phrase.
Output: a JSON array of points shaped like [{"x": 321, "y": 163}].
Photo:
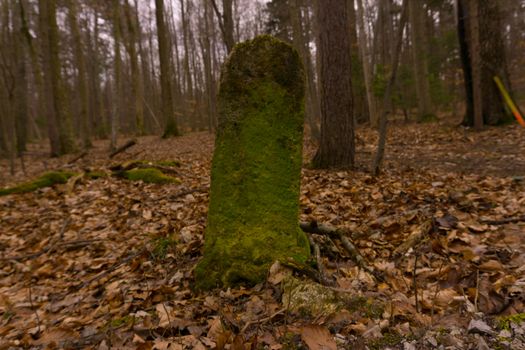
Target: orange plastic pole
[{"x": 509, "y": 101}]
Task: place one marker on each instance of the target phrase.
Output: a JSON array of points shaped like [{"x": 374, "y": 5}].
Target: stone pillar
[{"x": 256, "y": 171}]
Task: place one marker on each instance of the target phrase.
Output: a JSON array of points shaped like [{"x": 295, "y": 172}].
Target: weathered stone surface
[{"x": 254, "y": 198}]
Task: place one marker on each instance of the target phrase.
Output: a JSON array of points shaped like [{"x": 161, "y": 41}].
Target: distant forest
[{"x": 74, "y": 71}]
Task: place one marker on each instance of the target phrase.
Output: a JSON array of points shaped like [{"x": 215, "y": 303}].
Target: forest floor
[{"x": 108, "y": 262}]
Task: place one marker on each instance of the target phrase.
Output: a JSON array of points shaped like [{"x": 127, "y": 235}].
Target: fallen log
[{"x": 122, "y": 148}]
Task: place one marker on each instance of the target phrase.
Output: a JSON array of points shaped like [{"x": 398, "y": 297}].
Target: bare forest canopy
[{"x": 74, "y": 71}]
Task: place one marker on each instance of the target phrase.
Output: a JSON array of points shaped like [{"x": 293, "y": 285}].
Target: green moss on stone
[
  {"x": 256, "y": 170},
  {"x": 45, "y": 180},
  {"x": 149, "y": 175}
]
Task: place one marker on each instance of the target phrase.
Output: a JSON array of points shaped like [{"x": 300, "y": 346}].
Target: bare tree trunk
[
  {"x": 337, "y": 147},
  {"x": 475, "y": 61},
  {"x": 115, "y": 115},
  {"x": 312, "y": 100},
  {"x": 225, "y": 22},
  {"x": 21, "y": 87},
  {"x": 207, "y": 61},
  {"x": 420, "y": 56},
  {"x": 165, "y": 72},
  {"x": 367, "y": 69},
  {"x": 492, "y": 60},
  {"x": 136, "y": 85},
  {"x": 387, "y": 99},
  {"x": 80, "y": 63}
]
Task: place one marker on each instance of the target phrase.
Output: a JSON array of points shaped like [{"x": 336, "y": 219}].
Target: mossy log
[
  {"x": 256, "y": 170},
  {"x": 149, "y": 175},
  {"x": 45, "y": 180}
]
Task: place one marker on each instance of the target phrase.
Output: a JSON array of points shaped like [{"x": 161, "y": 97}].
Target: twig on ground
[
  {"x": 71, "y": 245},
  {"x": 414, "y": 239},
  {"x": 122, "y": 148},
  {"x": 319, "y": 261},
  {"x": 476, "y": 297},
  {"x": 77, "y": 158},
  {"x": 340, "y": 233},
  {"x": 111, "y": 269},
  {"x": 414, "y": 276},
  {"x": 504, "y": 221},
  {"x": 262, "y": 320},
  {"x": 33, "y": 308},
  {"x": 202, "y": 189},
  {"x": 304, "y": 269}
]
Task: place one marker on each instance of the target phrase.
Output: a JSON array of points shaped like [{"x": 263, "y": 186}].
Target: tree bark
[
  {"x": 492, "y": 59},
  {"x": 58, "y": 119},
  {"x": 337, "y": 147},
  {"x": 82, "y": 81},
  {"x": 21, "y": 84},
  {"x": 136, "y": 85},
  {"x": 416, "y": 13},
  {"x": 171, "y": 128},
  {"x": 301, "y": 45},
  {"x": 367, "y": 69},
  {"x": 117, "y": 75}
]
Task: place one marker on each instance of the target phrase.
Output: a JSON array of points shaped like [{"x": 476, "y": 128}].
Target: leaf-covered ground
[{"x": 101, "y": 263}]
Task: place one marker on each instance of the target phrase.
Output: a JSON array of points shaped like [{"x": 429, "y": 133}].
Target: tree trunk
[
  {"x": 475, "y": 61},
  {"x": 207, "y": 60},
  {"x": 49, "y": 96},
  {"x": 367, "y": 69},
  {"x": 301, "y": 45},
  {"x": 225, "y": 22},
  {"x": 416, "y": 13},
  {"x": 337, "y": 145},
  {"x": 21, "y": 87},
  {"x": 136, "y": 85},
  {"x": 82, "y": 81},
  {"x": 492, "y": 58},
  {"x": 171, "y": 128},
  {"x": 117, "y": 76}
]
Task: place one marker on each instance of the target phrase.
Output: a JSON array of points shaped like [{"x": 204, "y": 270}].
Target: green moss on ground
[
  {"x": 504, "y": 322},
  {"x": 149, "y": 175},
  {"x": 256, "y": 170},
  {"x": 389, "y": 339},
  {"x": 45, "y": 180},
  {"x": 96, "y": 174},
  {"x": 162, "y": 246},
  {"x": 428, "y": 118},
  {"x": 368, "y": 308}
]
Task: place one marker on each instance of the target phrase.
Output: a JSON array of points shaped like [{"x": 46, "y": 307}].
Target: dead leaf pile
[{"x": 108, "y": 263}]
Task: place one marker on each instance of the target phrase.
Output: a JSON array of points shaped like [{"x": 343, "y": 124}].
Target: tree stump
[{"x": 256, "y": 170}]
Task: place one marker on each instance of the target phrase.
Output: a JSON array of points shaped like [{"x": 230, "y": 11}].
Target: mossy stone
[
  {"x": 45, "y": 180},
  {"x": 256, "y": 170},
  {"x": 149, "y": 175}
]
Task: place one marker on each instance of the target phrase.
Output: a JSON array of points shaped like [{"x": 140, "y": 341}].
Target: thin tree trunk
[
  {"x": 165, "y": 72},
  {"x": 387, "y": 99},
  {"x": 21, "y": 87},
  {"x": 475, "y": 61},
  {"x": 420, "y": 57},
  {"x": 80, "y": 63},
  {"x": 312, "y": 104},
  {"x": 115, "y": 115},
  {"x": 367, "y": 69},
  {"x": 136, "y": 85}
]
